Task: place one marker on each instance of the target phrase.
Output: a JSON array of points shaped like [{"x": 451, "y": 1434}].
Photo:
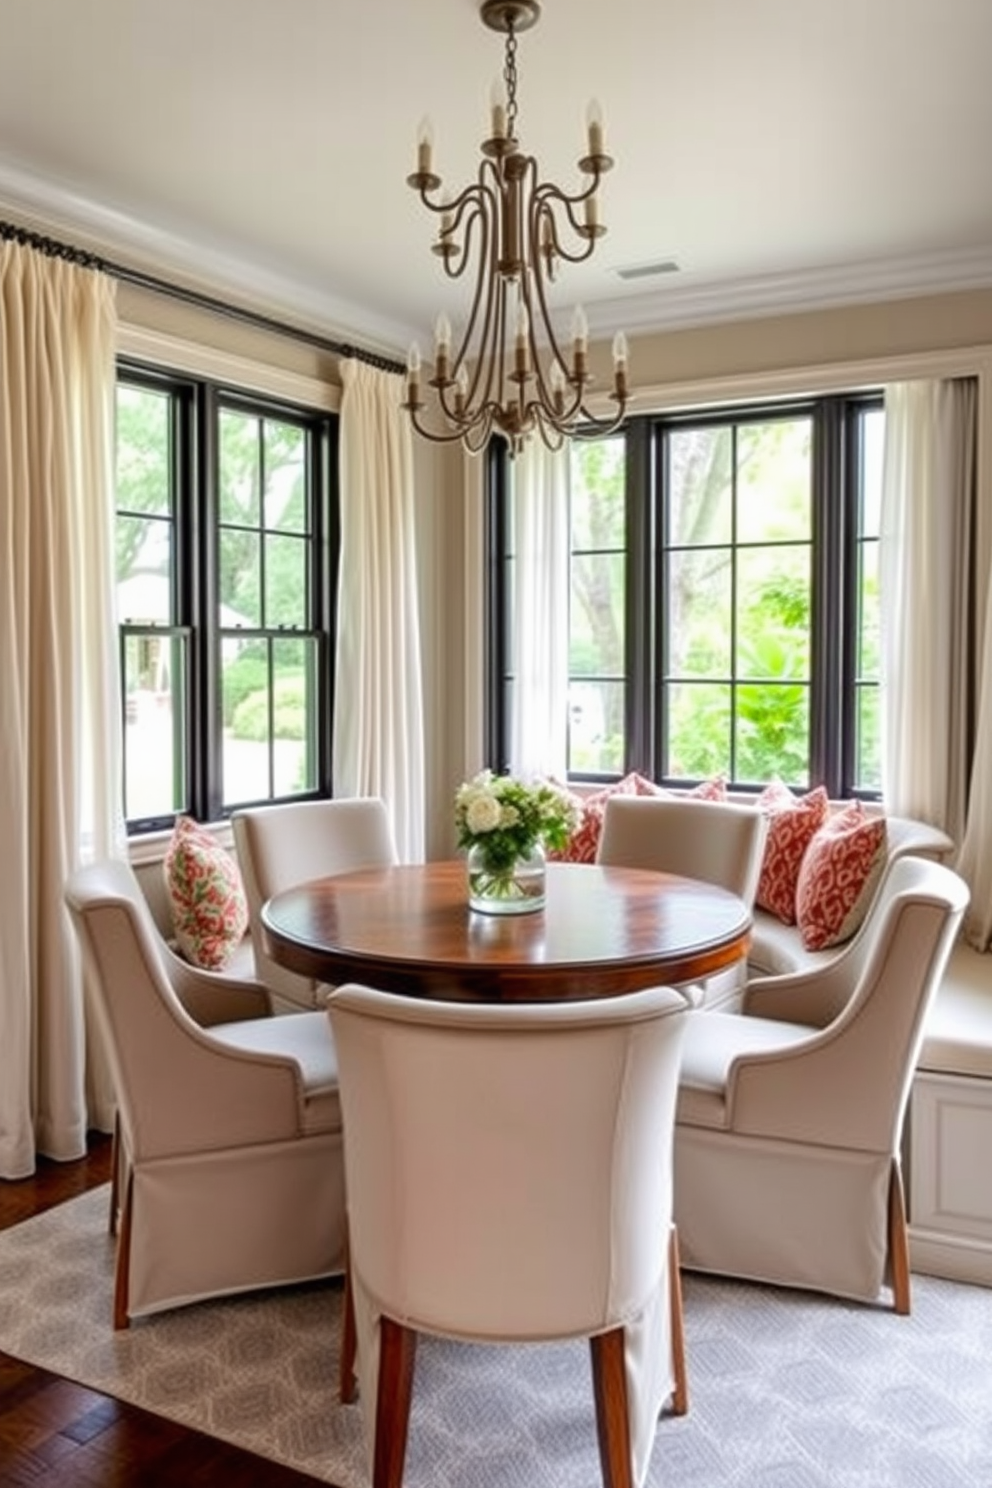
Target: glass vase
[{"x": 500, "y": 889}]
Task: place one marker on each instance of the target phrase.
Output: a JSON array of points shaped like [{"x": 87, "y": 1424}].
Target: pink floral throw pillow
[
  {"x": 792, "y": 824},
  {"x": 209, "y": 909},
  {"x": 839, "y": 875}
]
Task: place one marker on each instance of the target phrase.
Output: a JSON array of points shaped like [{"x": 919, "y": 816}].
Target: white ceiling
[{"x": 782, "y": 151}]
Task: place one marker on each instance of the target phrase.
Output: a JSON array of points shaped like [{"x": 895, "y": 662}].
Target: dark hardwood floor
[{"x": 56, "y": 1434}]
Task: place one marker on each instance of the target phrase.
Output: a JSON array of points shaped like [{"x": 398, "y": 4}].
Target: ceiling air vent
[{"x": 648, "y": 270}]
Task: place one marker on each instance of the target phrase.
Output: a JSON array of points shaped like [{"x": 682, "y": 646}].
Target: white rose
[{"x": 482, "y": 814}]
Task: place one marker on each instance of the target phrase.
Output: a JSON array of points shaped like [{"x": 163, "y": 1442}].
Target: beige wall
[{"x": 896, "y": 328}]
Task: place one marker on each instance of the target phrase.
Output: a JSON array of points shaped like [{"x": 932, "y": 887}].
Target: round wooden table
[{"x": 603, "y": 932}]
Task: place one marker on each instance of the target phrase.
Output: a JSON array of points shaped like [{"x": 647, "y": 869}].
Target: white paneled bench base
[{"x": 950, "y": 1128}]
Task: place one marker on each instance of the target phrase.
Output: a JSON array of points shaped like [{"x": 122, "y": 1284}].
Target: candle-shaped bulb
[
  {"x": 619, "y": 352},
  {"x": 522, "y": 324},
  {"x": 447, "y": 217},
  {"x": 442, "y": 335},
  {"x": 497, "y": 107},
  {"x": 592, "y": 212},
  {"x": 594, "y": 124},
  {"x": 580, "y": 330},
  {"x": 413, "y": 361},
  {"x": 425, "y": 141},
  {"x": 461, "y": 389}
]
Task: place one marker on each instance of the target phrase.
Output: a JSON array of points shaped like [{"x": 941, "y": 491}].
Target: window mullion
[
  {"x": 831, "y": 598},
  {"x": 639, "y": 632}
]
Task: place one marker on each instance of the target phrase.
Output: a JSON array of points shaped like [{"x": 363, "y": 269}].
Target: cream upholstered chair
[
  {"x": 230, "y": 1164},
  {"x": 787, "y": 1165},
  {"x": 509, "y": 1179},
  {"x": 284, "y": 845},
  {"x": 716, "y": 841}
]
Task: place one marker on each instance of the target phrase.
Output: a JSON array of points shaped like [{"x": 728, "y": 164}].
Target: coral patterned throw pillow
[
  {"x": 583, "y": 844},
  {"x": 839, "y": 875},
  {"x": 209, "y": 909},
  {"x": 792, "y": 824},
  {"x": 584, "y": 841}
]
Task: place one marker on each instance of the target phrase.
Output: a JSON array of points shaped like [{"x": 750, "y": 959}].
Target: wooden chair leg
[
  {"x": 115, "y": 1173},
  {"x": 680, "y": 1394},
  {"x": 122, "y": 1273},
  {"x": 609, "y": 1381},
  {"x": 349, "y": 1342},
  {"x": 898, "y": 1243},
  {"x": 397, "y": 1354}
]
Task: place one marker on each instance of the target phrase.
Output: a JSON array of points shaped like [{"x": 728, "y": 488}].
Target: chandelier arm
[
  {"x": 447, "y": 437},
  {"x": 546, "y": 403},
  {"x": 552, "y": 435},
  {"x": 549, "y": 196},
  {"x": 468, "y": 205},
  {"x": 481, "y": 220},
  {"x": 480, "y": 391}
]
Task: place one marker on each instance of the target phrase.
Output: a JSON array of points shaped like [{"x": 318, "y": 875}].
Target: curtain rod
[{"x": 52, "y": 248}]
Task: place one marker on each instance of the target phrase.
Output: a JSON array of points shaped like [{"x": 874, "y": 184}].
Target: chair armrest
[
  {"x": 213, "y": 997},
  {"x": 793, "y": 997}
]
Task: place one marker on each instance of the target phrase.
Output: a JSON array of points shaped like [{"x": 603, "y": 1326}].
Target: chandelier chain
[{"x": 510, "y": 78}]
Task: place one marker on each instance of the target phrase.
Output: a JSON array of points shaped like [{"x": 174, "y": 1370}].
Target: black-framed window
[
  {"x": 227, "y": 551},
  {"x": 723, "y": 597}
]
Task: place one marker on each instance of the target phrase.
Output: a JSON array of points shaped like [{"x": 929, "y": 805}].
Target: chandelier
[{"x": 509, "y": 373}]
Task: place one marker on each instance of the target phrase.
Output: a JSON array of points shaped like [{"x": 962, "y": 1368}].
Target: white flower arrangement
[{"x": 506, "y": 818}]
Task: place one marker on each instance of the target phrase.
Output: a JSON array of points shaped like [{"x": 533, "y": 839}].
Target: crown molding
[
  {"x": 217, "y": 270},
  {"x": 683, "y": 305},
  {"x": 678, "y": 304}
]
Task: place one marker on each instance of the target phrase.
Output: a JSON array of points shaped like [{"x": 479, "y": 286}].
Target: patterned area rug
[{"x": 787, "y": 1390}]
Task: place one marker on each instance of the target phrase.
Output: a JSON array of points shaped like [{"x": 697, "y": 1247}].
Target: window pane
[
  {"x": 246, "y": 695},
  {"x": 868, "y": 765},
  {"x": 155, "y": 777},
  {"x": 699, "y": 589},
  {"x": 595, "y": 727},
  {"x": 143, "y": 452},
  {"x": 144, "y": 527},
  {"x": 238, "y": 467},
  {"x": 739, "y": 613},
  {"x": 873, "y": 441},
  {"x": 869, "y": 633},
  {"x": 240, "y": 577},
  {"x": 772, "y": 733},
  {"x": 773, "y": 623},
  {"x": 270, "y": 718},
  {"x": 597, "y": 624},
  {"x": 285, "y": 477},
  {"x": 596, "y": 494},
  {"x": 700, "y": 489},
  {"x": 286, "y": 587},
  {"x": 774, "y": 481},
  {"x": 144, "y": 569},
  {"x": 699, "y": 719},
  {"x": 597, "y": 601},
  {"x": 294, "y": 669}
]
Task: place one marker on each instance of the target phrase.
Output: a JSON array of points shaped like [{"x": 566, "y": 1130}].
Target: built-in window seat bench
[{"x": 949, "y": 1131}]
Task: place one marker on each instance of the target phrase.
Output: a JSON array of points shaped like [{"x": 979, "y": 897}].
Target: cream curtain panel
[
  {"x": 378, "y": 711},
  {"x": 59, "y": 708},
  {"x": 539, "y": 738},
  {"x": 936, "y": 662}
]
